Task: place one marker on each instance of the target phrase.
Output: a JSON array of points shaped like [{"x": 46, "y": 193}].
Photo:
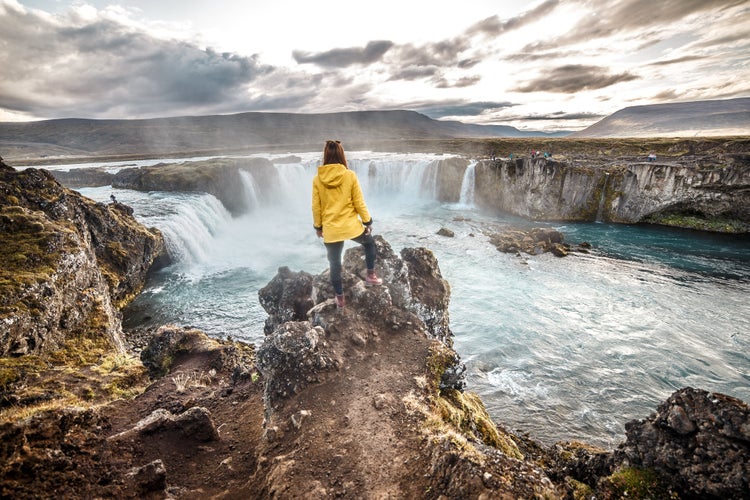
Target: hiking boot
[
  {"x": 340, "y": 301},
  {"x": 372, "y": 279}
]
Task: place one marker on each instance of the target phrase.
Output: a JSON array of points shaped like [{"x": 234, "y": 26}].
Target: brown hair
[{"x": 334, "y": 153}]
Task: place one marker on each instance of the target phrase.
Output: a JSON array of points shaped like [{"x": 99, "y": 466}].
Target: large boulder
[{"x": 699, "y": 440}]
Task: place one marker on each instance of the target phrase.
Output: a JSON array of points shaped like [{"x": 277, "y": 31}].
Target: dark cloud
[
  {"x": 494, "y": 26},
  {"x": 540, "y": 56},
  {"x": 740, "y": 36},
  {"x": 441, "y": 110},
  {"x": 638, "y": 13},
  {"x": 441, "y": 54},
  {"x": 574, "y": 78},
  {"x": 667, "y": 95},
  {"x": 102, "y": 68},
  {"x": 415, "y": 73},
  {"x": 341, "y": 58}
]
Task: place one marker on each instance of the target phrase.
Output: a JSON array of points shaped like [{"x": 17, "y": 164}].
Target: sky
[{"x": 535, "y": 65}]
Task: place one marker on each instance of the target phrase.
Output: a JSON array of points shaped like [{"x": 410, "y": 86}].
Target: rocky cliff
[
  {"x": 68, "y": 264},
  {"x": 716, "y": 192}
]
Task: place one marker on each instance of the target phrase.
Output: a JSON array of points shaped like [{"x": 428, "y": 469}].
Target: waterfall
[
  {"x": 294, "y": 187},
  {"x": 600, "y": 209},
  {"x": 468, "y": 185},
  {"x": 191, "y": 225},
  {"x": 251, "y": 189},
  {"x": 402, "y": 179}
]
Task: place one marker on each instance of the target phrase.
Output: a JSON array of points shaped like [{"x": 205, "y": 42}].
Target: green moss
[
  {"x": 639, "y": 484},
  {"x": 440, "y": 358},
  {"x": 466, "y": 412},
  {"x": 581, "y": 491},
  {"x": 691, "y": 221},
  {"x": 30, "y": 250},
  {"x": 463, "y": 411}
]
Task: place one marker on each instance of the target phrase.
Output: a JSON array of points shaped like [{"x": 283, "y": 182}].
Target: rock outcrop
[
  {"x": 619, "y": 190},
  {"x": 535, "y": 241},
  {"x": 701, "y": 184},
  {"x": 363, "y": 401},
  {"x": 699, "y": 440},
  {"x": 68, "y": 263}
]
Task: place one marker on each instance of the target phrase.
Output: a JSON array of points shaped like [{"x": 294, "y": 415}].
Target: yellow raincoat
[{"x": 338, "y": 206}]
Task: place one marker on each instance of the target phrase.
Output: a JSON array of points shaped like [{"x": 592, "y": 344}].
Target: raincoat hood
[{"x": 332, "y": 174}]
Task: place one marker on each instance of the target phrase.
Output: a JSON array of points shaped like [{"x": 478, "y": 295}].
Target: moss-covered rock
[{"x": 66, "y": 264}]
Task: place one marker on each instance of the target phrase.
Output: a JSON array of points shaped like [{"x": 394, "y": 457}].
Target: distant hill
[
  {"x": 84, "y": 137},
  {"x": 683, "y": 119}
]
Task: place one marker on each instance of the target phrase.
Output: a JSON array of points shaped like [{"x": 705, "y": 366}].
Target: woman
[{"x": 340, "y": 214}]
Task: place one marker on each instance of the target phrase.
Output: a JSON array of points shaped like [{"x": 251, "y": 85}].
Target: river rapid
[{"x": 562, "y": 348}]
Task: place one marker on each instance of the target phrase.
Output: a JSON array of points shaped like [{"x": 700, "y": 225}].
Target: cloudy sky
[{"x": 540, "y": 65}]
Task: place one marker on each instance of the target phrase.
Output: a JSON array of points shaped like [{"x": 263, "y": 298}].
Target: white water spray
[{"x": 468, "y": 186}]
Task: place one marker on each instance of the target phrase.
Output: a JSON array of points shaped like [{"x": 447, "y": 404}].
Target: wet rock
[
  {"x": 533, "y": 242},
  {"x": 444, "y": 231},
  {"x": 699, "y": 440}
]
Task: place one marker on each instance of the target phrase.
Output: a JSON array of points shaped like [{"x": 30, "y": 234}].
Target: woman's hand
[
  {"x": 368, "y": 230},
  {"x": 319, "y": 232}
]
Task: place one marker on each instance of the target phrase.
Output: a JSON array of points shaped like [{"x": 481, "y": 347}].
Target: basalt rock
[
  {"x": 412, "y": 282},
  {"x": 84, "y": 177},
  {"x": 699, "y": 441},
  {"x": 623, "y": 190},
  {"x": 67, "y": 263},
  {"x": 533, "y": 242}
]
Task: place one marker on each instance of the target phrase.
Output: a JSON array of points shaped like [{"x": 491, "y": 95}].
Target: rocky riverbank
[{"x": 365, "y": 402}]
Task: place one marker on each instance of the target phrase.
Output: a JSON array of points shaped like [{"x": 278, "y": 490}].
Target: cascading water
[
  {"x": 602, "y": 198},
  {"x": 563, "y": 348},
  {"x": 468, "y": 186},
  {"x": 403, "y": 179}
]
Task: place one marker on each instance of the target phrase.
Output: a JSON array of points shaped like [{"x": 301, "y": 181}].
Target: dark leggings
[{"x": 334, "y": 258}]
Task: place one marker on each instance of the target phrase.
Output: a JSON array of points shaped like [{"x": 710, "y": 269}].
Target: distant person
[
  {"x": 112, "y": 197},
  {"x": 340, "y": 214},
  {"x": 652, "y": 157}
]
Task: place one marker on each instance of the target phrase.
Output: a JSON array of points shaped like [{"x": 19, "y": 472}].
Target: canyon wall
[{"x": 620, "y": 191}]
